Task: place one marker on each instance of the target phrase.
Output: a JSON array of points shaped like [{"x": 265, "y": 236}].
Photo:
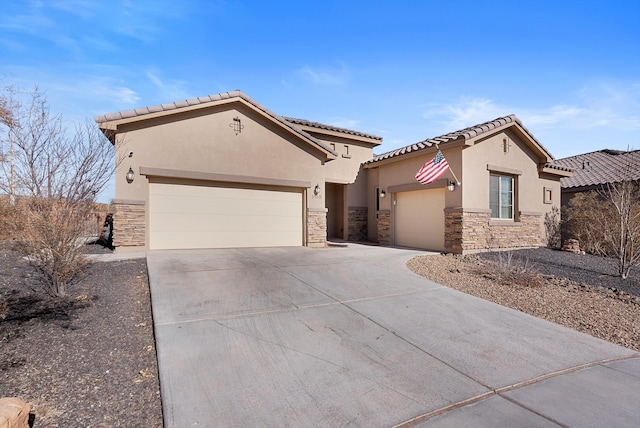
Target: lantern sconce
[
  {"x": 130, "y": 176},
  {"x": 316, "y": 190},
  {"x": 451, "y": 186},
  {"x": 382, "y": 193}
]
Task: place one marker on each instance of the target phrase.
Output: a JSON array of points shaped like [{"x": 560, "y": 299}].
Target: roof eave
[
  {"x": 132, "y": 116},
  {"x": 370, "y": 141},
  {"x": 524, "y": 135},
  {"x": 554, "y": 171},
  {"x": 414, "y": 153}
]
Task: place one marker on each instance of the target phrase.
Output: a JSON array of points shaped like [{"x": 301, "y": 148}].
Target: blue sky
[{"x": 403, "y": 70}]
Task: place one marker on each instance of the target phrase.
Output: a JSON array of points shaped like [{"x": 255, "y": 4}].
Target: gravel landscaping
[
  {"x": 574, "y": 290},
  {"x": 87, "y": 360}
]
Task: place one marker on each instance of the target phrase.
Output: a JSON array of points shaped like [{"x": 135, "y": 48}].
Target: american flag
[{"x": 432, "y": 169}]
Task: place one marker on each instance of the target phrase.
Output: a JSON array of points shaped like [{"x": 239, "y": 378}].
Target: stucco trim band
[
  {"x": 496, "y": 168},
  {"x": 228, "y": 178},
  {"x": 417, "y": 186},
  {"x": 127, "y": 202}
]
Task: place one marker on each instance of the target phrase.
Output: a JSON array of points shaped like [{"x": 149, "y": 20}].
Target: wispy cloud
[
  {"x": 81, "y": 8},
  {"x": 342, "y": 122},
  {"x": 169, "y": 89},
  {"x": 146, "y": 21},
  {"x": 326, "y": 76},
  {"x": 31, "y": 21},
  {"x": 465, "y": 112},
  {"x": 598, "y": 104}
]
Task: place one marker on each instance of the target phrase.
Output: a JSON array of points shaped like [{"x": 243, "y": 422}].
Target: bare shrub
[
  {"x": 52, "y": 176},
  {"x": 552, "y": 227},
  {"x": 512, "y": 270},
  {"x": 583, "y": 213},
  {"x": 606, "y": 222}
]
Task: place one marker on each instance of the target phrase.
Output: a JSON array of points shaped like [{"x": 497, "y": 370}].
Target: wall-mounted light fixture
[
  {"x": 382, "y": 193},
  {"x": 316, "y": 190},
  {"x": 451, "y": 186},
  {"x": 130, "y": 176}
]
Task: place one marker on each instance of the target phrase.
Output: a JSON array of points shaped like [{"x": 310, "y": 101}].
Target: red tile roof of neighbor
[
  {"x": 603, "y": 166},
  {"x": 462, "y": 134}
]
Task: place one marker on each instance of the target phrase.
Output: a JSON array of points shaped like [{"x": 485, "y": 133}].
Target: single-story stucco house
[{"x": 224, "y": 171}]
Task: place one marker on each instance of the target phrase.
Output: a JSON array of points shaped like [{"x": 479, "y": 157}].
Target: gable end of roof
[
  {"x": 177, "y": 105},
  {"x": 460, "y": 135}
]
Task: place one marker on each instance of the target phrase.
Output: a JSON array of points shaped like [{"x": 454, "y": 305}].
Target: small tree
[
  {"x": 622, "y": 232},
  {"x": 52, "y": 176},
  {"x": 606, "y": 221}
]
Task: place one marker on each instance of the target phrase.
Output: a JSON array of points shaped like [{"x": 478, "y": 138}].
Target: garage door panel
[
  {"x": 419, "y": 219},
  {"x": 186, "y": 216}
]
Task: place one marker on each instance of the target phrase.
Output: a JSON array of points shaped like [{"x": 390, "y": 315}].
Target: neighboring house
[
  {"x": 223, "y": 171},
  {"x": 593, "y": 170}
]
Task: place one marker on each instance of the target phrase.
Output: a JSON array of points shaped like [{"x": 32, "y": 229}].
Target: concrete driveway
[{"x": 350, "y": 337}]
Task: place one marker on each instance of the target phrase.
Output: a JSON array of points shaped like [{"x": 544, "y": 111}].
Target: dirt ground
[{"x": 85, "y": 360}]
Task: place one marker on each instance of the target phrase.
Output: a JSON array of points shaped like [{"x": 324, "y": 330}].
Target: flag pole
[{"x": 450, "y": 170}]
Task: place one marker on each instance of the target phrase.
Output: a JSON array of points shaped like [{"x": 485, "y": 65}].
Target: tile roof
[
  {"x": 331, "y": 128},
  {"x": 288, "y": 122},
  {"x": 556, "y": 167},
  {"x": 603, "y": 166},
  {"x": 462, "y": 134},
  {"x": 138, "y": 112}
]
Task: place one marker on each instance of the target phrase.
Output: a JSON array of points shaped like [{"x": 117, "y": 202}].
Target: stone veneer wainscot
[
  {"x": 384, "y": 227},
  {"x": 317, "y": 227},
  {"x": 357, "y": 220},
  {"x": 128, "y": 223},
  {"x": 473, "y": 231}
]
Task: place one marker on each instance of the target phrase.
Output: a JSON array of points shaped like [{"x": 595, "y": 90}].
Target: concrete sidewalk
[{"x": 349, "y": 336}]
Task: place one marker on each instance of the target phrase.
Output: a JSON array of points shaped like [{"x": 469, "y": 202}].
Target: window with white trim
[{"x": 501, "y": 196}]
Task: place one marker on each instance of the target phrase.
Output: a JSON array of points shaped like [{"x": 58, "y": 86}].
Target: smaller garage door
[
  {"x": 189, "y": 216},
  {"x": 419, "y": 219}
]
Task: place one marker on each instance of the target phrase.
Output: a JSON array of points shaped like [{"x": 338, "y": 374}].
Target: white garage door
[
  {"x": 188, "y": 216},
  {"x": 419, "y": 219}
]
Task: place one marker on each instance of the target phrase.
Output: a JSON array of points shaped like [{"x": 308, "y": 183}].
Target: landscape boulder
[{"x": 14, "y": 413}]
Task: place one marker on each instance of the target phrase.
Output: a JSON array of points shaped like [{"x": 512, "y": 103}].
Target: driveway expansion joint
[{"x": 500, "y": 391}]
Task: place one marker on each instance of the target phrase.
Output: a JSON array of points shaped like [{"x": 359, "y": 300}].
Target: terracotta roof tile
[
  {"x": 461, "y": 134},
  {"x": 600, "y": 167},
  {"x": 331, "y": 128},
  {"x": 127, "y": 114}
]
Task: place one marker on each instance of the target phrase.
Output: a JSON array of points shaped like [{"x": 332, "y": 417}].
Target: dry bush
[
  {"x": 582, "y": 214},
  {"x": 552, "y": 227},
  {"x": 606, "y": 222},
  {"x": 52, "y": 239},
  {"x": 511, "y": 270},
  {"x": 52, "y": 176}
]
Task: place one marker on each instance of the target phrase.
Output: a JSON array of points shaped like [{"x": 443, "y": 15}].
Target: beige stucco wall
[
  {"x": 203, "y": 141},
  {"x": 402, "y": 173},
  {"x": 519, "y": 158},
  {"x": 471, "y": 164},
  {"x": 371, "y": 178}
]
